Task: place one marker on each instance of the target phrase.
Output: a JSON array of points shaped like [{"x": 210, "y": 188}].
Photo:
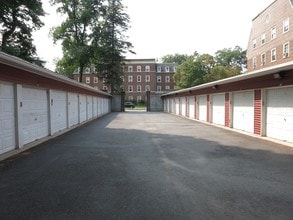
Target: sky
[{"x": 161, "y": 27}]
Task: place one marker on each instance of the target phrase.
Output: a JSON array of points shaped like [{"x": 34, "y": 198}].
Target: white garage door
[
  {"x": 202, "y": 108},
  {"x": 218, "y": 109},
  {"x": 59, "y": 109},
  {"x": 89, "y": 100},
  {"x": 72, "y": 109},
  {"x": 82, "y": 108},
  {"x": 7, "y": 118},
  {"x": 191, "y": 107},
  {"x": 183, "y": 106},
  {"x": 243, "y": 111},
  {"x": 177, "y": 106},
  {"x": 95, "y": 106},
  {"x": 280, "y": 114},
  {"x": 34, "y": 114}
]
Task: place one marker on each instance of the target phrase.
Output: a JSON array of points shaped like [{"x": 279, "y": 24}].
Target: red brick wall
[{"x": 257, "y": 111}]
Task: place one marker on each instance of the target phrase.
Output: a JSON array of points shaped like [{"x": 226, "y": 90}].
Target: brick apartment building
[
  {"x": 271, "y": 37},
  {"x": 140, "y": 76}
]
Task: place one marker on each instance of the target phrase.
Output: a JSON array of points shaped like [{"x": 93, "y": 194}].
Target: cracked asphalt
[{"x": 139, "y": 165}]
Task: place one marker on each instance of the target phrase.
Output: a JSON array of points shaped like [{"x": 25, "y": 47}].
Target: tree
[
  {"x": 76, "y": 32},
  {"x": 235, "y": 58},
  {"x": 177, "y": 58},
  {"x": 18, "y": 19},
  {"x": 111, "y": 44},
  {"x": 220, "y": 72}
]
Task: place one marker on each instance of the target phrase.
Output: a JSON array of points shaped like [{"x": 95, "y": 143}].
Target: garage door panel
[
  {"x": 59, "y": 109},
  {"x": 280, "y": 114},
  {"x": 72, "y": 109},
  {"x": 218, "y": 109},
  {"x": 34, "y": 114},
  {"x": 202, "y": 108},
  {"x": 7, "y": 118},
  {"x": 243, "y": 111},
  {"x": 82, "y": 108},
  {"x": 191, "y": 107}
]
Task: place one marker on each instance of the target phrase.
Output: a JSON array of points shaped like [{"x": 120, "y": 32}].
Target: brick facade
[
  {"x": 140, "y": 76},
  {"x": 271, "y": 37}
]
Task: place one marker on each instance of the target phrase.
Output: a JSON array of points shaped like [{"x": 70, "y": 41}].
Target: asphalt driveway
[{"x": 139, "y": 165}]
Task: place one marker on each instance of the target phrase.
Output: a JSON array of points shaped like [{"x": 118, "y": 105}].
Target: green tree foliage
[
  {"x": 177, "y": 58},
  {"x": 18, "y": 19},
  {"x": 199, "y": 69},
  {"x": 76, "y": 32},
  {"x": 110, "y": 43}
]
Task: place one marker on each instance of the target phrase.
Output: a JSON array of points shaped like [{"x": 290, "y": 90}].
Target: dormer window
[
  {"x": 159, "y": 69},
  {"x": 167, "y": 69}
]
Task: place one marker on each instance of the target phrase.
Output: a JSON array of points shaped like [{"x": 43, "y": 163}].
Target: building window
[
  {"x": 263, "y": 59},
  {"x": 254, "y": 43},
  {"x": 138, "y": 98},
  {"x": 105, "y": 88},
  {"x": 147, "y": 68},
  {"x": 138, "y": 68},
  {"x": 87, "y": 70},
  {"x": 130, "y": 78},
  {"x": 96, "y": 79},
  {"x": 87, "y": 79},
  {"x": 167, "y": 79},
  {"x": 122, "y": 78},
  {"x": 286, "y": 50},
  {"x": 174, "y": 68},
  {"x": 167, "y": 69},
  {"x": 263, "y": 38},
  {"x": 138, "y": 88},
  {"x": 130, "y": 88},
  {"x": 147, "y": 88},
  {"x": 159, "y": 69},
  {"x": 159, "y": 88},
  {"x": 273, "y": 33},
  {"x": 130, "y": 68},
  {"x": 138, "y": 78},
  {"x": 254, "y": 62},
  {"x": 130, "y": 98},
  {"x": 167, "y": 87},
  {"x": 147, "y": 78},
  {"x": 273, "y": 55},
  {"x": 286, "y": 25},
  {"x": 159, "y": 79}
]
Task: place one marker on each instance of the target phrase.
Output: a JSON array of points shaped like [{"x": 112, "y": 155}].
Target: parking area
[{"x": 143, "y": 165}]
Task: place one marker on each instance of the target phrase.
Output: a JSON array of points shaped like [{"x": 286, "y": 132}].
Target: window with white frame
[
  {"x": 159, "y": 79},
  {"x": 130, "y": 88},
  {"x": 286, "y": 50},
  {"x": 130, "y": 98},
  {"x": 138, "y": 78},
  {"x": 174, "y": 68},
  {"x": 263, "y": 38},
  {"x": 254, "y": 43},
  {"x": 94, "y": 69},
  {"x": 286, "y": 25},
  {"x": 167, "y": 79},
  {"x": 96, "y": 79},
  {"x": 138, "y": 68},
  {"x": 130, "y": 78},
  {"x": 254, "y": 62},
  {"x": 87, "y": 79},
  {"x": 273, "y": 33},
  {"x": 138, "y": 98},
  {"x": 105, "y": 88},
  {"x": 159, "y": 88},
  {"x": 263, "y": 59},
  {"x": 122, "y": 78},
  {"x": 147, "y": 88},
  {"x": 147, "y": 78},
  {"x": 130, "y": 68},
  {"x": 147, "y": 68},
  {"x": 159, "y": 69},
  {"x": 167, "y": 69},
  {"x": 139, "y": 88},
  {"x": 273, "y": 55},
  {"x": 87, "y": 70},
  {"x": 167, "y": 87}
]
